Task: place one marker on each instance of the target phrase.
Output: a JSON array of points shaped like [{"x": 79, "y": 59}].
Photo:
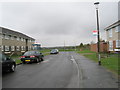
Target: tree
[{"x": 81, "y": 45}]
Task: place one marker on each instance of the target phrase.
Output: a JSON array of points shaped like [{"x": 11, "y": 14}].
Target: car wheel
[
  {"x": 41, "y": 59},
  {"x": 12, "y": 68}
]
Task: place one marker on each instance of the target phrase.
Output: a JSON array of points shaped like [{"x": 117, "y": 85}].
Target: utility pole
[{"x": 98, "y": 36}]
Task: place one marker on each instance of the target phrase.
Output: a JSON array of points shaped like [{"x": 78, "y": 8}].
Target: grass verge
[
  {"x": 16, "y": 58},
  {"x": 108, "y": 61}
]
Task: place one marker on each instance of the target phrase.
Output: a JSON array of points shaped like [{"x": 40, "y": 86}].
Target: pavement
[{"x": 63, "y": 70}]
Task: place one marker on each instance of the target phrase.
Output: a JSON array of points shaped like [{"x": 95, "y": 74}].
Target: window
[
  {"x": 117, "y": 43},
  {"x": 21, "y": 39},
  {"x": 9, "y": 36},
  {"x": 22, "y": 48},
  {"x": 117, "y": 29},
  {"x": 30, "y": 41},
  {"x": 3, "y": 36},
  {"x": 2, "y": 48},
  {"x": 110, "y": 33},
  {"x": 15, "y": 38},
  {"x": 18, "y": 48},
  {"x": 29, "y": 47},
  {"x": 12, "y": 48},
  {"x": 12, "y": 38},
  {"x": 18, "y": 38},
  {"x": 6, "y": 37},
  {"x": 110, "y": 45},
  {"x": 7, "y": 48}
]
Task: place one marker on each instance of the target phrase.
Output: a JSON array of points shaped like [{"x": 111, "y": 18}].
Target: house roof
[
  {"x": 113, "y": 25},
  {"x": 15, "y": 33}
]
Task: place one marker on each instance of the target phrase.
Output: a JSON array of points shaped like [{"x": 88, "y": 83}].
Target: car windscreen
[
  {"x": 30, "y": 53},
  {"x": 54, "y": 50}
]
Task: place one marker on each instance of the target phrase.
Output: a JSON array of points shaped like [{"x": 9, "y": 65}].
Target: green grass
[
  {"x": 110, "y": 62},
  {"x": 65, "y": 50},
  {"x": 16, "y": 58},
  {"x": 18, "y": 61},
  {"x": 45, "y": 52},
  {"x": 85, "y": 51}
]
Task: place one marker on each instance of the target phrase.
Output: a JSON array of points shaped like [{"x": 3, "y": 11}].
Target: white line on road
[{"x": 79, "y": 72}]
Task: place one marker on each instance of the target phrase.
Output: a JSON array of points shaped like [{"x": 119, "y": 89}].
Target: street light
[{"x": 98, "y": 36}]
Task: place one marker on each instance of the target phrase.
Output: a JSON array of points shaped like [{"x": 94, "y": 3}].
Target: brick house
[
  {"x": 13, "y": 41},
  {"x": 113, "y": 36}
]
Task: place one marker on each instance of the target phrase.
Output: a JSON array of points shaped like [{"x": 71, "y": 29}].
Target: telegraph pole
[{"x": 98, "y": 35}]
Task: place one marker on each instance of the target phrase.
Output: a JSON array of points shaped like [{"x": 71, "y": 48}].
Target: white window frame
[
  {"x": 12, "y": 37},
  {"x": 117, "y": 29},
  {"x": 30, "y": 47},
  {"x": 18, "y": 38},
  {"x": 7, "y": 48},
  {"x": 17, "y": 48},
  {"x": 15, "y": 38},
  {"x": 6, "y": 36},
  {"x": 3, "y": 36},
  {"x": 117, "y": 43},
  {"x": 12, "y": 48},
  {"x": 110, "y": 45},
  {"x": 2, "y": 48},
  {"x": 21, "y": 39},
  {"x": 9, "y": 36},
  {"x": 22, "y": 48},
  {"x": 110, "y": 33}
]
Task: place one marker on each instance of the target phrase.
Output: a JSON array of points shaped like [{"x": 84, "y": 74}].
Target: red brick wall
[
  {"x": 93, "y": 47},
  {"x": 114, "y": 44},
  {"x": 103, "y": 47}
]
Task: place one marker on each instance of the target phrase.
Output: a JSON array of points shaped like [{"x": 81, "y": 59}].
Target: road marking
[{"x": 79, "y": 72}]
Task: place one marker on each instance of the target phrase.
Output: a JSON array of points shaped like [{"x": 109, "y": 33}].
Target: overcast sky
[{"x": 53, "y": 23}]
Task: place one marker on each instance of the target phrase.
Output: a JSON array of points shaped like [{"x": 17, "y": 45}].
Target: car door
[{"x": 6, "y": 61}]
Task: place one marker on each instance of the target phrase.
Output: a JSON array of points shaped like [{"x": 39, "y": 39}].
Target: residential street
[{"x": 63, "y": 70}]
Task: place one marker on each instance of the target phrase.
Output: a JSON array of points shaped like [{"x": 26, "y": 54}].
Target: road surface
[{"x": 63, "y": 70}]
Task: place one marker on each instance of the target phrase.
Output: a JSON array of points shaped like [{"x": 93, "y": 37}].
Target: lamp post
[{"x": 98, "y": 36}]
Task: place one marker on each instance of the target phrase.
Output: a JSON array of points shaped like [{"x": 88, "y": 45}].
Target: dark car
[
  {"x": 32, "y": 56},
  {"x": 7, "y": 63},
  {"x": 54, "y": 51}
]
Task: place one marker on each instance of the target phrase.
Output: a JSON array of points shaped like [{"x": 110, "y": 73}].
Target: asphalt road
[{"x": 63, "y": 70}]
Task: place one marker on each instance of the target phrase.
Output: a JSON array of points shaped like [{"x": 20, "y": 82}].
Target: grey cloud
[{"x": 72, "y": 22}]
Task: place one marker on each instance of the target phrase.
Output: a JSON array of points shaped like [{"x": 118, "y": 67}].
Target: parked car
[
  {"x": 32, "y": 56},
  {"x": 54, "y": 51},
  {"x": 8, "y": 64}
]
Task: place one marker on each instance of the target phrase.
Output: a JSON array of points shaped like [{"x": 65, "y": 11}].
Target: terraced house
[
  {"x": 113, "y": 37},
  {"x": 13, "y": 41}
]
